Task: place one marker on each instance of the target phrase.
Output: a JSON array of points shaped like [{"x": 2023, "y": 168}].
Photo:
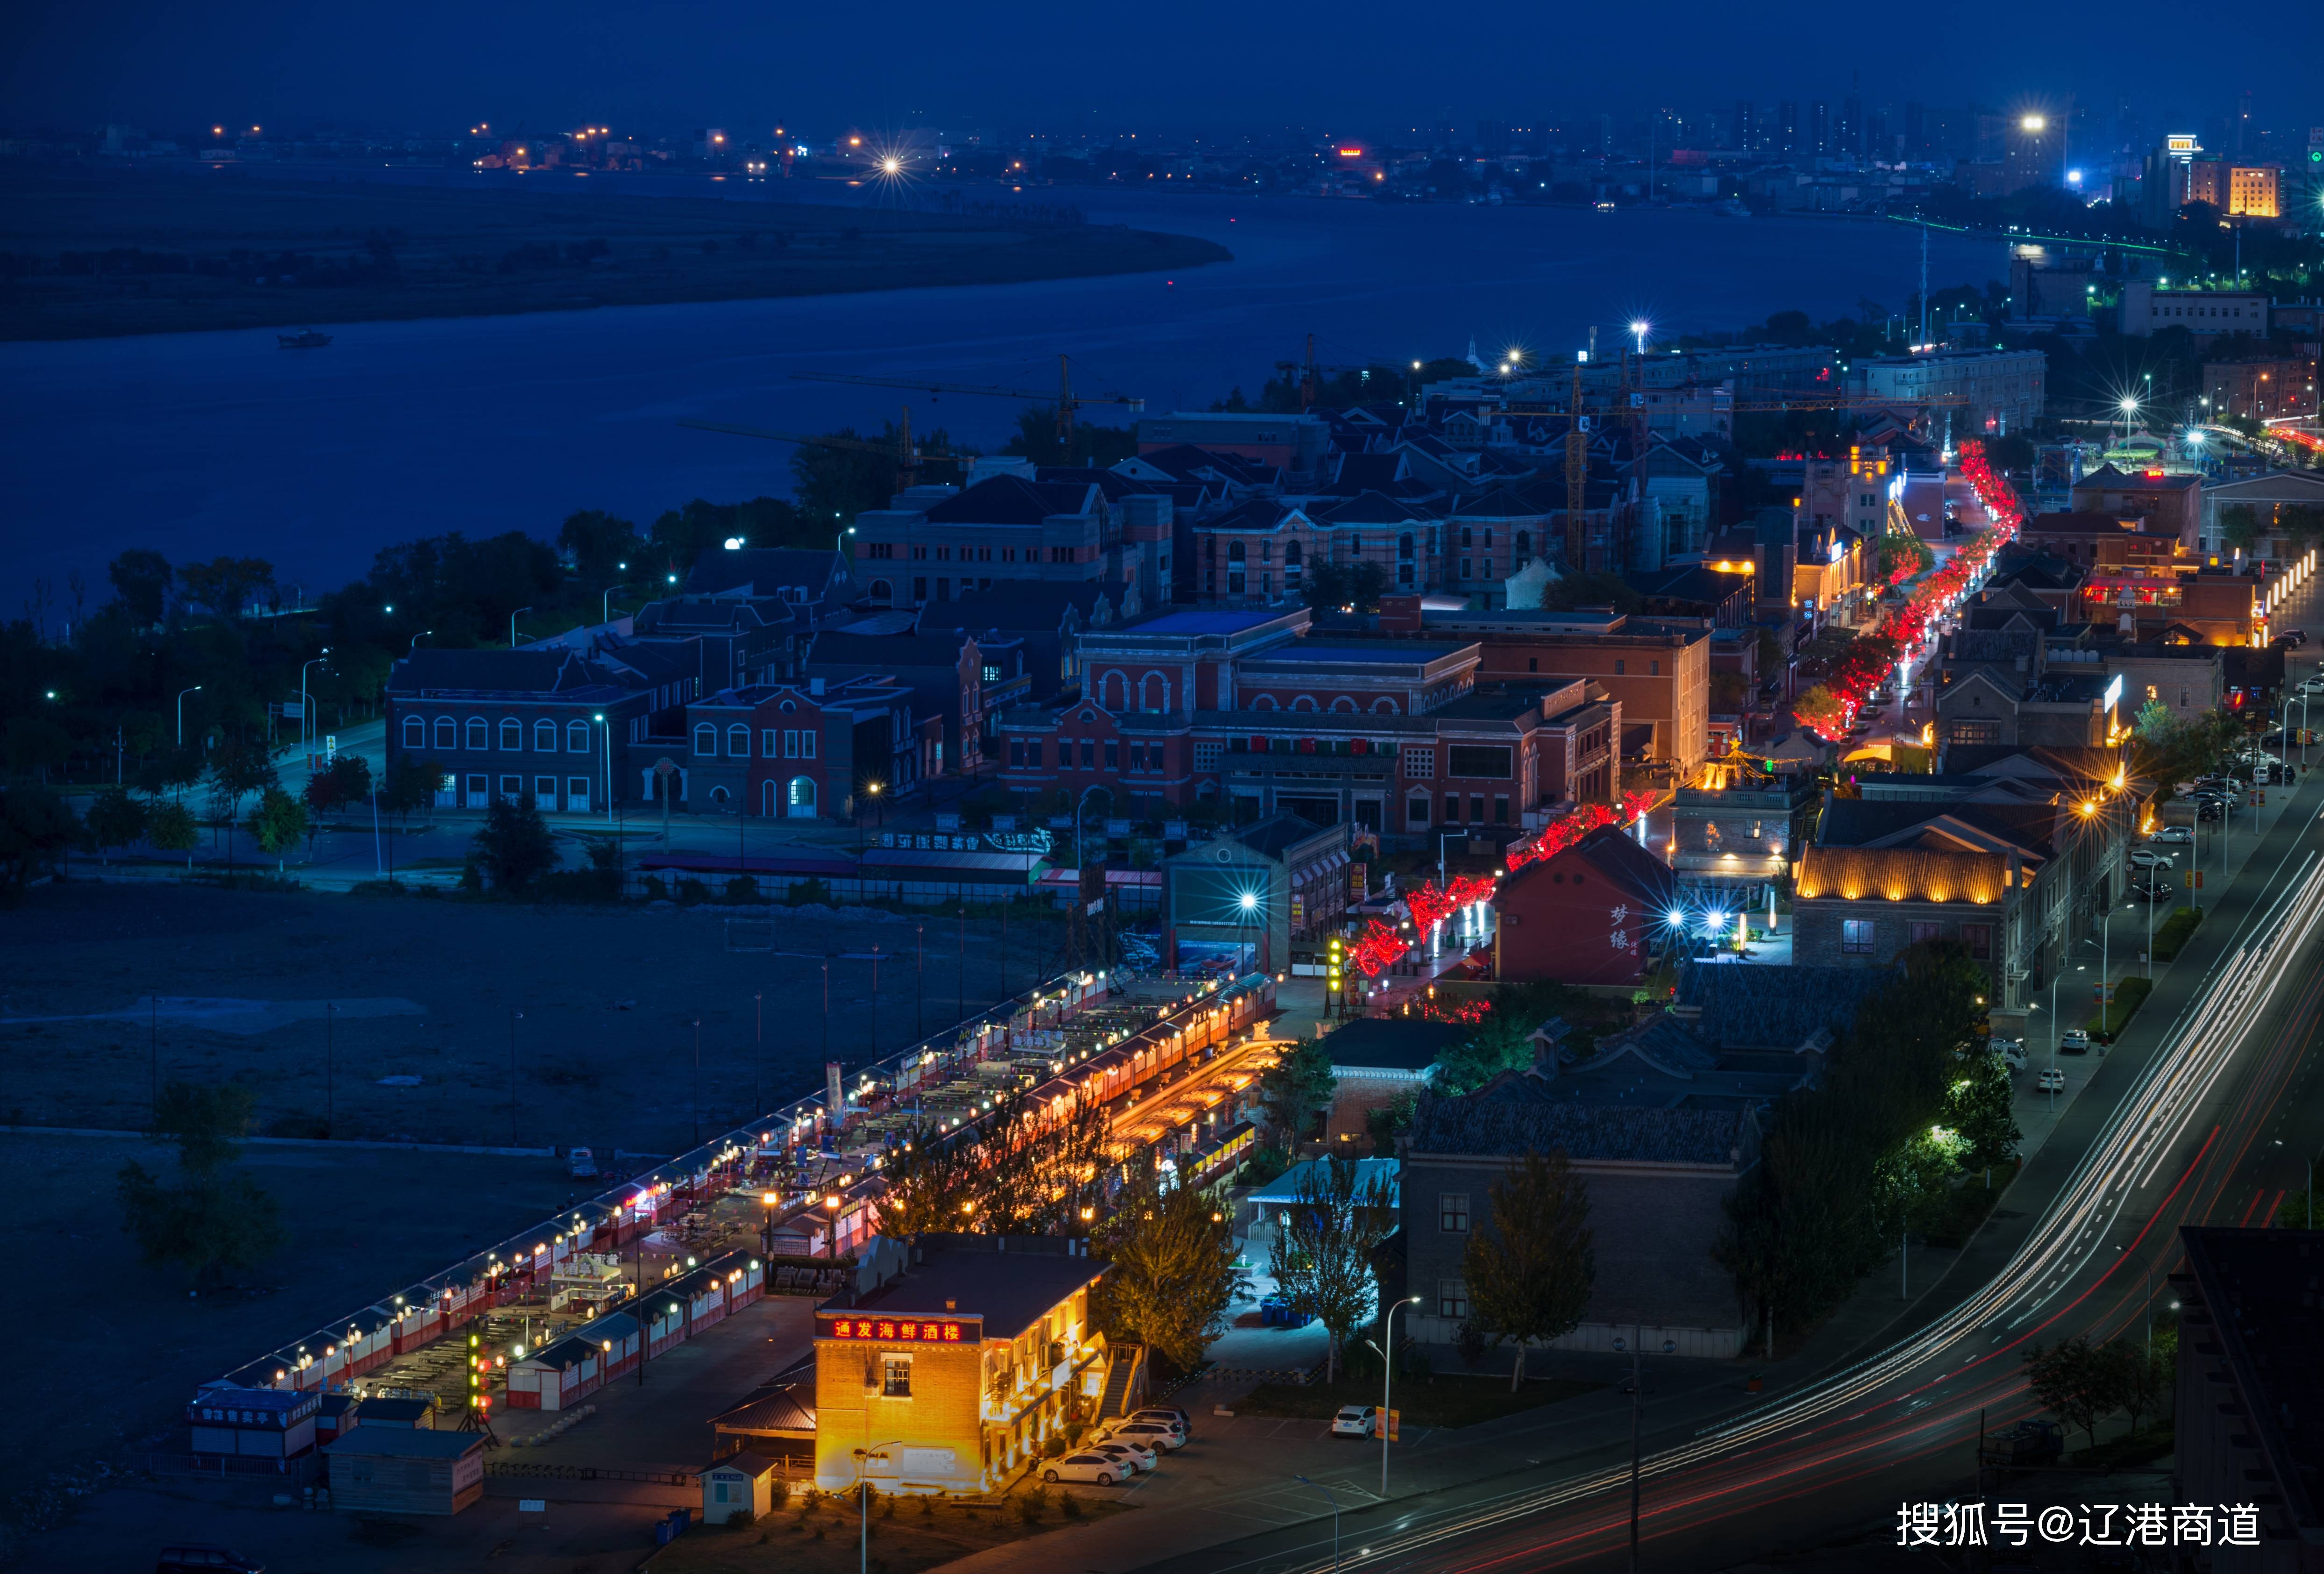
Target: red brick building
[{"x": 1591, "y": 914}]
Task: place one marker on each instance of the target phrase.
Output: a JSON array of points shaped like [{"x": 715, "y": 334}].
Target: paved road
[{"x": 2204, "y": 1114}]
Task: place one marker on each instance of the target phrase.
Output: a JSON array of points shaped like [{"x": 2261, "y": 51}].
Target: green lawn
[{"x": 1434, "y": 1401}]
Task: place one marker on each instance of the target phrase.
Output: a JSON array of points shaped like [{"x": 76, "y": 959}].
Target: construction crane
[
  {"x": 905, "y": 455},
  {"x": 1067, "y": 399}
]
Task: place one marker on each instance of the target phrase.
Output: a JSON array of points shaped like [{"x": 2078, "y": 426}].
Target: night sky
[{"x": 1362, "y": 67}]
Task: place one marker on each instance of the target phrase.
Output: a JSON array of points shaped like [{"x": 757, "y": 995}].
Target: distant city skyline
[{"x": 436, "y": 68}]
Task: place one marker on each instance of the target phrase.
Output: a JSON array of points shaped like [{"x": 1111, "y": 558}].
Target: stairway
[{"x": 1125, "y": 1386}]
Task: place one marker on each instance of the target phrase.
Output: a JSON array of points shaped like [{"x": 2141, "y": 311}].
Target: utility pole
[
  {"x": 516, "y": 1017},
  {"x": 919, "y": 980},
  {"x": 331, "y": 1010},
  {"x": 758, "y": 1057}
]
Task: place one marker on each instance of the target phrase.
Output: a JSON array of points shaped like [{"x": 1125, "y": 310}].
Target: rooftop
[{"x": 1009, "y": 1281}]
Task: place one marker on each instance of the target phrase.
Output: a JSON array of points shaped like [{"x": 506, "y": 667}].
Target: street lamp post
[
  {"x": 513, "y": 617},
  {"x": 182, "y": 712},
  {"x": 1334, "y": 1502},
  {"x": 600, "y": 719},
  {"x": 1637, "y": 1398},
  {"x": 863, "y": 1498},
  {"x": 304, "y": 746},
  {"x": 1388, "y": 1375}
]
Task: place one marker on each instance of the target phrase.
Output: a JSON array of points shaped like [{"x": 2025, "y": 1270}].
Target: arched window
[
  {"x": 448, "y": 733},
  {"x": 881, "y": 591},
  {"x": 802, "y": 798},
  {"x": 1113, "y": 693},
  {"x": 718, "y": 795},
  {"x": 1265, "y": 702},
  {"x": 544, "y": 736},
  {"x": 705, "y": 738},
  {"x": 738, "y": 741},
  {"x": 790, "y": 706},
  {"x": 512, "y": 735},
  {"x": 1154, "y": 692},
  {"x": 1291, "y": 553},
  {"x": 1384, "y": 707},
  {"x": 577, "y": 737},
  {"x": 1344, "y": 703},
  {"x": 480, "y": 734},
  {"x": 1306, "y": 701},
  {"x": 1234, "y": 552},
  {"x": 771, "y": 799},
  {"x": 415, "y": 732}
]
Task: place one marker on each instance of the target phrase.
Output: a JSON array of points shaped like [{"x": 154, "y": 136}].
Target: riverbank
[{"x": 108, "y": 253}]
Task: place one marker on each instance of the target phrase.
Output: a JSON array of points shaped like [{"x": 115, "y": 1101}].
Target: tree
[
  {"x": 2239, "y": 526},
  {"x": 1173, "y": 1254},
  {"x": 2139, "y": 1378},
  {"x": 1296, "y": 1089},
  {"x": 346, "y": 780},
  {"x": 172, "y": 771},
  {"x": 35, "y": 827},
  {"x": 171, "y": 828},
  {"x": 1503, "y": 1042},
  {"x": 1980, "y": 1109},
  {"x": 605, "y": 550},
  {"x": 2073, "y": 1382},
  {"x": 240, "y": 766},
  {"x": 141, "y": 577},
  {"x": 1821, "y": 709},
  {"x": 115, "y": 819},
  {"x": 933, "y": 1182},
  {"x": 832, "y": 485},
  {"x": 1094, "y": 446},
  {"x": 216, "y": 1221},
  {"x": 1530, "y": 1270},
  {"x": 229, "y": 586},
  {"x": 35, "y": 744},
  {"x": 278, "y": 824},
  {"x": 409, "y": 784},
  {"x": 514, "y": 847},
  {"x": 1387, "y": 1124},
  {"x": 1322, "y": 1258}
]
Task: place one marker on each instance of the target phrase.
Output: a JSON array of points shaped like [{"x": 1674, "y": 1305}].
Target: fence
[{"x": 297, "y": 1472}]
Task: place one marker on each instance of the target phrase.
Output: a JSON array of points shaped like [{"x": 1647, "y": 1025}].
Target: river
[{"x": 202, "y": 444}]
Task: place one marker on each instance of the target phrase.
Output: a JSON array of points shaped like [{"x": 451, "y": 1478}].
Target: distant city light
[{"x": 2035, "y": 122}]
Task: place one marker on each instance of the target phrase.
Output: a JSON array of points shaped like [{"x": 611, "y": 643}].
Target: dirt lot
[
  {"x": 602, "y": 1004},
  {"x": 121, "y": 1346},
  {"x": 185, "y": 249}
]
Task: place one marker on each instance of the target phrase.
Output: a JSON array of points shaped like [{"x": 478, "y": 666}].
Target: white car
[
  {"x": 1168, "y": 1415},
  {"x": 2174, "y": 836},
  {"x": 1151, "y": 1434},
  {"x": 1131, "y": 1455},
  {"x": 2051, "y": 1080},
  {"x": 1355, "y": 1421},
  {"x": 2140, "y": 858},
  {"x": 2074, "y": 1040},
  {"x": 2012, "y": 1051},
  {"x": 1093, "y": 1468}
]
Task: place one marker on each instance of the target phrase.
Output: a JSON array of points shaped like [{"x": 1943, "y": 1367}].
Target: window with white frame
[
  {"x": 1420, "y": 763},
  {"x": 1452, "y": 1298}
]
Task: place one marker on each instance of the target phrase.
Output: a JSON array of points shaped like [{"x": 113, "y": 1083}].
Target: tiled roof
[
  {"x": 1011, "y": 500},
  {"x": 1902, "y": 874},
  {"x": 1773, "y": 1008},
  {"x": 1488, "y": 1126},
  {"x": 765, "y": 569}
]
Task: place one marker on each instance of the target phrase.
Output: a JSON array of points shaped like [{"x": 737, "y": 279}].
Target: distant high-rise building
[
  {"x": 1747, "y": 127},
  {"x": 1848, "y": 136},
  {"x": 2031, "y": 158},
  {"x": 1820, "y": 128},
  {"x": 1787, "y": 127},
  {"x": 1877, "y": 142},
  {"x": 2243, "y": 126},
  {"x": 1916, "y": 131}
]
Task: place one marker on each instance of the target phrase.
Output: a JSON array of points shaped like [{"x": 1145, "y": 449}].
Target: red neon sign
[{"x": 895, "y": 1330}]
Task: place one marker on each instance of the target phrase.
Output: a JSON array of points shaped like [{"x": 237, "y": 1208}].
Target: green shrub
[
  {"x": 655, "y": 888},
  {"x": 2129, "y": 996},
  {"x": 811, "y": 891},
  {"x": 2173, "y": 937},
  {"x": 742, "y": 887},
  {"x": 691, "y": 891}
]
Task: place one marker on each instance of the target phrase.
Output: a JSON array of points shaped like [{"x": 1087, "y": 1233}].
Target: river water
[{"x": 202, "y": 444}]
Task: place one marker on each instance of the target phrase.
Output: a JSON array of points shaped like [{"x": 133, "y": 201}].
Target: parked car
[
  {"x": 2074, "y": 1040},
  {"x": 205, "y": 1559},
  {"x": 2051, "y": 1080},
  {"x": 2174, "y": 837},
  {"x": 1168, "y": 1415},
  {"x": 1159, "y": 1435},
  {"x": 2210, "y": 810},
  {"x": 1094, "y": 1467},
  {"x": 2145, "y": 858},
  {"x": 1133, "y": 1457},
  {"x": 2154, "y": 891},
  {"x": 2011, "y": 1050},
  {"x": 1354, "y": 1420}
]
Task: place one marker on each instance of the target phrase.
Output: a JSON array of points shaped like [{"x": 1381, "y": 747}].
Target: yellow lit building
[{"x": 951, "y": 1378}]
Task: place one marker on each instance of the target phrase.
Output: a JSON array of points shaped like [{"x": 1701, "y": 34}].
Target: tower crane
[{"x": 1067, "y": 399}]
